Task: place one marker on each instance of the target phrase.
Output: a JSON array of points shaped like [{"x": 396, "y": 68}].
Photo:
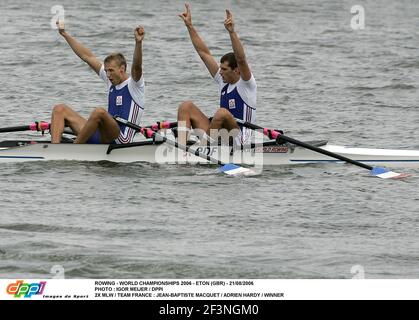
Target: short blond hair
[{"x": 118, "y": 57}]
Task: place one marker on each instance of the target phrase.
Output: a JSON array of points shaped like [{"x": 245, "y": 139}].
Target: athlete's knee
[
  {"x": 98, "y": 114},
  {"x": 60, "y": 108},
  {"x": 222, "y": 114},
  {"x": 186, "y": 106}
]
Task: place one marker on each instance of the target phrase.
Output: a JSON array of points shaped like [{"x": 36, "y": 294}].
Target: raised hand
[
  {"x": 139, "y": 33},
  {"x": 60, "y": 26},
  {"x": 186, "y": 15},
  {"x": 228, "y": 22}
]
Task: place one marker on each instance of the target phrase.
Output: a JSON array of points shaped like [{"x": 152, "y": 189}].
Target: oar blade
[
  {"x": 234, "y": 170},
  {"x": 383, "y": 173}
]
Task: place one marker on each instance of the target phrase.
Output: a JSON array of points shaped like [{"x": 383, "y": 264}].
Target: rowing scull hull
[{"x": 162, "y": 153}]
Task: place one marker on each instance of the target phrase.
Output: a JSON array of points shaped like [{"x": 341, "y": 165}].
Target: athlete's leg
[
  {"x": 190, "y": 116},
  {"x": 102, "y": 120},
  {"x": 223, "y": 119},
  {"x": 62, "y": 115}
]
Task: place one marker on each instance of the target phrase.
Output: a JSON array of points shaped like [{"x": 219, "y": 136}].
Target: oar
[
  {"x": 275, "y": 134},
  {"x": 162, "y": 125},
  {"x": 36, "y": 126},
  {"x": 227, "y": 168}
]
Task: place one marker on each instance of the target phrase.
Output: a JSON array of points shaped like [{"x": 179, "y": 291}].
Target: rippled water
[{"x": 317, "y": 78}]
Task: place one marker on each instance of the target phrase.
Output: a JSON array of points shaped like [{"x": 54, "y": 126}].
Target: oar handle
[
  {"x": 36, "y": 126},
  {"x": 147, "y": 132},
  {"x": 155, "y": 126},
  {"x": 39, "y": 126},
  {"x": 162, "y": 125}
]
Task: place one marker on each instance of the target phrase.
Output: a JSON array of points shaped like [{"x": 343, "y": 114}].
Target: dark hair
[
  {"x": 231, "y": 59},
  {"x": 118, "y": 57}
]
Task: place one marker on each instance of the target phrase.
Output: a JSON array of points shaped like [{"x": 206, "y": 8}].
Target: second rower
[{"x": 237, "y": 87}]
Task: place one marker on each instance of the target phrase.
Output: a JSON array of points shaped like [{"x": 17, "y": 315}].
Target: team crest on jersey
[
  {"x": 119, "y": 100},
  {"x": 231, "y": 103}
]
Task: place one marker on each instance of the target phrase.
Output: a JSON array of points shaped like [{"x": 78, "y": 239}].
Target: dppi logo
[{"x": 27, "y": 290}]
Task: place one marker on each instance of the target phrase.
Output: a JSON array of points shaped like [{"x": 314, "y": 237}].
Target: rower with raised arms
[
  {"x": 237, "y": 87},
  {"x": 126, "y": 97}
]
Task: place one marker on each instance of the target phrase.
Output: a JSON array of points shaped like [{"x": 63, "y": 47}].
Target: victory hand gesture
[
  {"x": 228, "y": 22},
  {"x": 186, "y": 15}
]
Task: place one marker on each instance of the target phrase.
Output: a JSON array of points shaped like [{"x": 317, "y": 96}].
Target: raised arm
[
  {"x": 199, "y": 45},
  {"x": 84, "y": 53},
  {"x": 137, "y": 62},
  {"x": 238, "y": 50}
]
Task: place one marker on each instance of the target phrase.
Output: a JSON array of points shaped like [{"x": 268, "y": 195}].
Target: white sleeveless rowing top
[
  {"x": 127, "y": 101},
  {"x": 240, "y": 99}
]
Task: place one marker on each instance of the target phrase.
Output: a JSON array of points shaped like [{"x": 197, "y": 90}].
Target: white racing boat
[
  {"x": 163, "y": 149},
  {"x": 160, "y": 152}
]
